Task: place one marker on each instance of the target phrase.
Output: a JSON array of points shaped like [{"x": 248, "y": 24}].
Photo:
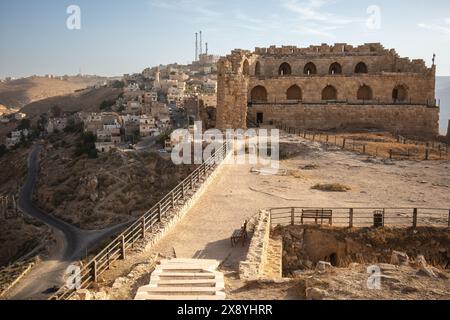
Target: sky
[{"x": 118, "y": 36}]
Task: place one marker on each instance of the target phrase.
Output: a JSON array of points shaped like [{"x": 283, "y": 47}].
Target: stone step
[
  {"x": 187, "y": 276},
  {"x": 145, "y": 296},
  {"x": 180, "y": 290},
  {"x": 187, "y": 283},
  {"x": 182, "y": 268}
]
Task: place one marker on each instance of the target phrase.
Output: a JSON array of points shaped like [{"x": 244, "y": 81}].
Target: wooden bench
[
  {"x": 239, "y": 235},
  {"x": 318, "y": 214}
]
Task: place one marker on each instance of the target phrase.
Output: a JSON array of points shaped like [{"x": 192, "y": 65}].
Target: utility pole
[{"x": 206, "y": 48}]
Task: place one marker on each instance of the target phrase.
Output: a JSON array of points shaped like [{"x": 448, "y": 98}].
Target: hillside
[
  {"x": 19, "y": 93},
  {"x": 443, "y": 93},
  {"x": 88, "y": 100}
]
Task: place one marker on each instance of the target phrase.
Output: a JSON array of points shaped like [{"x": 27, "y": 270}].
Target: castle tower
[{"x": 232, "y": 86}]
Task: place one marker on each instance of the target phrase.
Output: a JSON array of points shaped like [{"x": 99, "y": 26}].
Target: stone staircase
[{"x": 184, "y": 279}]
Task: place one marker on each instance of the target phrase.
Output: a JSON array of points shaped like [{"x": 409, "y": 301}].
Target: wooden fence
[
  {"x": 365, "y": 217},
  {"x": 119, "y": 247},
  {"x": 436, "y": 149}
]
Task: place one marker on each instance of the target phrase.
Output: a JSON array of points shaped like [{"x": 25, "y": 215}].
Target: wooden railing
[
  {"x": 365, "y": 217},
  {"x": 422, "y": 150},
  {"x": 119, "y": 247}
]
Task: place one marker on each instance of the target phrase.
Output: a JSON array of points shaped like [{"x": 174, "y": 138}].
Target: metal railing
[
  {"x": 118, "y": 248},
  {"x": 365, "y": 217}
]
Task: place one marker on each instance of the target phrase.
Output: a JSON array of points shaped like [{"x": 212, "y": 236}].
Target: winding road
[{"x": 71, "y": 243}]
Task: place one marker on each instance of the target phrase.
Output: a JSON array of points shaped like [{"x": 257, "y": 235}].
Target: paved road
[{"x": 71, "y": 245}]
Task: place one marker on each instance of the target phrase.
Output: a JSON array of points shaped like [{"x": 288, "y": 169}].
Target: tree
[
  {"x": 56, "y": 111},
  {"x": 3, "y": 150},
  {"x": 24, "y": 124}
]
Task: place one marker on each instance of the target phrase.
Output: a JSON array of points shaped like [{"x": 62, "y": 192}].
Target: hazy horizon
[{"x": 125, "y": 37}]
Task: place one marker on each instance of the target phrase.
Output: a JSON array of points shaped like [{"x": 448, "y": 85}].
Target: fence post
[
  {"x": 173, "y": 199},
  {"x": 184, "y": 191},
  {"x": 449, "y": 219},
  {"x": 351, "y": 218},
  {"x": 390, "y": 154},
  {"x": 159, "y": 212},
  {"x": 415, "y": 218},
  {"x": 427, "y": 153},
  {"x": 364, "y": 149},
  {"x": 292, "y": 216},
  {"x": 94, "y": 271},
  {"x": 343, "y": 143},
  {"x": 143, "y": 227},
  {"x": 122, "y": 240}
]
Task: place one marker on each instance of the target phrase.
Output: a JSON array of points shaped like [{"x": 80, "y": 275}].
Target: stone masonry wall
[
  {"x": 252, "y": 267},
  {"x": 408, "y": 120},
  {"x": 242, "y": 70}
]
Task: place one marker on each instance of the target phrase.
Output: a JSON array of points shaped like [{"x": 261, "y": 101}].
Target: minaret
[
  {"x": 157, "y": 78},
  {"x": 201, "y": 44},
  {"x": 196, "y": 46}
]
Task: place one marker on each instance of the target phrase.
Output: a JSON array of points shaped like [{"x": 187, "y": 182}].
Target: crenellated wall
[{"x": 367, "y": 74}]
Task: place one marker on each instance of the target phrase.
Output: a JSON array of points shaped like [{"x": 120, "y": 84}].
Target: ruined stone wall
[
  {"x": 385, "y": 71},
  {"x": 408, "y": 120},
  {"x": 420, "y": 88}
]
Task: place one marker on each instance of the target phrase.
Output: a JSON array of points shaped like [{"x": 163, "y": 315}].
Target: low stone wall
[
  {"x": 252, "y": 267},
  {"x": 406, "y": 119}
]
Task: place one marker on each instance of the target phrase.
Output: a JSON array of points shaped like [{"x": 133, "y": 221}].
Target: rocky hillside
[
  {"x": 88, "y": 100},
  {"x": 18, "y": 93},
  {"x": 97, "y": 193}
]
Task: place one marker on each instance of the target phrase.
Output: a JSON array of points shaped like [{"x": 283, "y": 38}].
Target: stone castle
[{"x": 339, "y": 87}]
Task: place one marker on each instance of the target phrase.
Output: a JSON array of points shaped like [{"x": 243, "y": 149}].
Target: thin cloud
[
  {"x": 437, "y": 28},
  {"x": 314, "y": 19},
  {"x": 201, "y": 10}
]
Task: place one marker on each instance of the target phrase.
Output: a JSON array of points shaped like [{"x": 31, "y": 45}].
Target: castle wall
[
  {"x": 420, "y": 87},
  {"x": 414, "y": 113},
  {"x": 407, "y": 120}
]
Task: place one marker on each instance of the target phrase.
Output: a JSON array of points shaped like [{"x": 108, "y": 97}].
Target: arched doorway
[
  {"x": 285, "y": 69},
  {"x": 335, "y": 68},
  {"x": 400, "y": 93},
  {"x": 258, "y": 94},
  {"x": 361, "y": 68},
  {"x": 329, "y": 93},
  {"x": 310, "y": 69},
  {"x": 364, "y": 93},
  {"x": 246, "y": 68},
  {"x": 294, "y": 93},
  {"x": 258, "y": 69}
]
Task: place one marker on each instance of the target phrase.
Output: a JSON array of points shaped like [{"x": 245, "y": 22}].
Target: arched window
[
  {"x": 310, "y": 69},
  {"x": 258, "y": 69},
  {"x": 285, "y": 69},
  {"x": 365, "y": 93},
  {"x": 246, "y": 68},
  {"x": 335, "y": 68},
  {"x": 361, "y": 68},
  {"x": 294, "y": 93},
  {"x": 329, "y": 93},
  {"x": 400, "y": 93},
  {"x": 259, "y": 94}
]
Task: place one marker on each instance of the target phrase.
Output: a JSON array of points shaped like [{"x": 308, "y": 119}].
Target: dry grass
[{"x": 331, "y": 187}]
